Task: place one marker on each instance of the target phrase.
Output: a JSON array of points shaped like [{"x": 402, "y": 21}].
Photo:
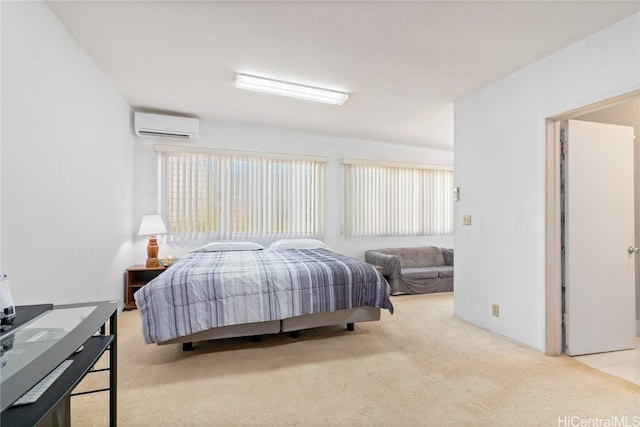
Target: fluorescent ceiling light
[{"x": 260, "y": 84}]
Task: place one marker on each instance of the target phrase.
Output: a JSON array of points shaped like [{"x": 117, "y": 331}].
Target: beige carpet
[{"x": 418, "y": 367}]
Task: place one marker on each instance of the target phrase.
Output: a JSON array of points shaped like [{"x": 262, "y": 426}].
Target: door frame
[{"x": 553, "y": 229}]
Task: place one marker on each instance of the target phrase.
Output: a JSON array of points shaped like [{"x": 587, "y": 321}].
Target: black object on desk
[{"x": 29, "y": 360}]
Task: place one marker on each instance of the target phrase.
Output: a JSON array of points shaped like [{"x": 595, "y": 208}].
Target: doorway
[{"x": 622, "y": 110}]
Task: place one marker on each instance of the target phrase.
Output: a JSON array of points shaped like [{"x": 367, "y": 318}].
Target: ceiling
[{"x": 404, "y": 63}]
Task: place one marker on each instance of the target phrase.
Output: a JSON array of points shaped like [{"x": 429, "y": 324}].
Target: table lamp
[{"x": 151, "y": 226}]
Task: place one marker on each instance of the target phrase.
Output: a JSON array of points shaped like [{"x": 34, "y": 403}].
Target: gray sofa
[{"x": 420, "y": 270}]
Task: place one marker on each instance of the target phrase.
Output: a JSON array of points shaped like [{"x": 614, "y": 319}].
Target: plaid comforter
[{"x": 210, "y": 289}]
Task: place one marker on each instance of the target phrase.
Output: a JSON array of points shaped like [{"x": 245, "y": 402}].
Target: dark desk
[{"x": 26, "y": 362}]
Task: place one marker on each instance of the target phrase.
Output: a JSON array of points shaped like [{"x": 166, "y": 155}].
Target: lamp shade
[{"x": 151, "y": 225}]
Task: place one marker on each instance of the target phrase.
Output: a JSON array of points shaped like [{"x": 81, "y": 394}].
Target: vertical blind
[
  {"x": 397, "y": 201},
  {"x": 222, "y": 197}
]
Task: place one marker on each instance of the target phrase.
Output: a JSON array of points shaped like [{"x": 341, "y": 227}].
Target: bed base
[{"x": 291, "y": 325}]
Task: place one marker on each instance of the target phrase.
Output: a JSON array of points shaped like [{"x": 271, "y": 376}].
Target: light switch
[{"x": 466, "y": 220}]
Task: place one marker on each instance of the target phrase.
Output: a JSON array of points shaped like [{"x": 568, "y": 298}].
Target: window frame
[
  {"x": 225, "y": 230},
  {"x": 375, "y": 215}
]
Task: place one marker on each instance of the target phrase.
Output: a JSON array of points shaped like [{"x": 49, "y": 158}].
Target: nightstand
[{"x": 136, "y": 277}]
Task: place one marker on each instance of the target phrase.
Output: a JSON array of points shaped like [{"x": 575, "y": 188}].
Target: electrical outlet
[
  {"x": 495, "y": 310},
  {"x": 466, "y": 219}
]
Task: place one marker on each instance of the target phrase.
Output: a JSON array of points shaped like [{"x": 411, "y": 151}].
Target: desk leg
[{"x": 113, "y": 372}]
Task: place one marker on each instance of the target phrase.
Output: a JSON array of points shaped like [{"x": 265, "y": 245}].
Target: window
[
  {"x": 386, "y": 199},
  {"x": 220, "y": 195}
]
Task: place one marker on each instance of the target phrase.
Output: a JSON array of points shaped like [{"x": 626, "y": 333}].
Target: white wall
[
  {"x": 67, "y": 165},
  {"x": 500, "y": 168},
  {"x": 237, "y": 137}
]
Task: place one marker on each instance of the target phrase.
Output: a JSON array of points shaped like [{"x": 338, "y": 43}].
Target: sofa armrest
[
  {"x": 390, "y": 263},
  {"x": 448, "y": 256}
]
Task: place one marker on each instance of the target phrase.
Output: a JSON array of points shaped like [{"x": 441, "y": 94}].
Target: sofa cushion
[
  {"x": 419, "y": 273},
  {"x": 444, "y": 271}
]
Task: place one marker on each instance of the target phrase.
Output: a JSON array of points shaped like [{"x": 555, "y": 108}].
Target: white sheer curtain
[
  {"x": 218, "y": 196},
  {"x": 397, "y": 200}
]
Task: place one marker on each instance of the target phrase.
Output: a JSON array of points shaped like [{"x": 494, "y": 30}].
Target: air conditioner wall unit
[{"x": 161, "y": 126}]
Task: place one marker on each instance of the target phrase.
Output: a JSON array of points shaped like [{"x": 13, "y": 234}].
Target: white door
[{"x": 599, "y": 230}]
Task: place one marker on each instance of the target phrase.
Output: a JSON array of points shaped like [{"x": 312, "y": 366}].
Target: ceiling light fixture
[{"x": 310, "y": 93}]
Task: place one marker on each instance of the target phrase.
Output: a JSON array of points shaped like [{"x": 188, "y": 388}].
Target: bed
[{"x": 236, "y": 290}]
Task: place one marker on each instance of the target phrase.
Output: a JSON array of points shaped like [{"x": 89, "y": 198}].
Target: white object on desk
[{"x": 38, "y": 390}]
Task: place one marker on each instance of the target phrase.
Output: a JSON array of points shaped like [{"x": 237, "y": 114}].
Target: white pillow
[
  {"x": 229, "y": 245},
  {"x": 298, "y": 244}
]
